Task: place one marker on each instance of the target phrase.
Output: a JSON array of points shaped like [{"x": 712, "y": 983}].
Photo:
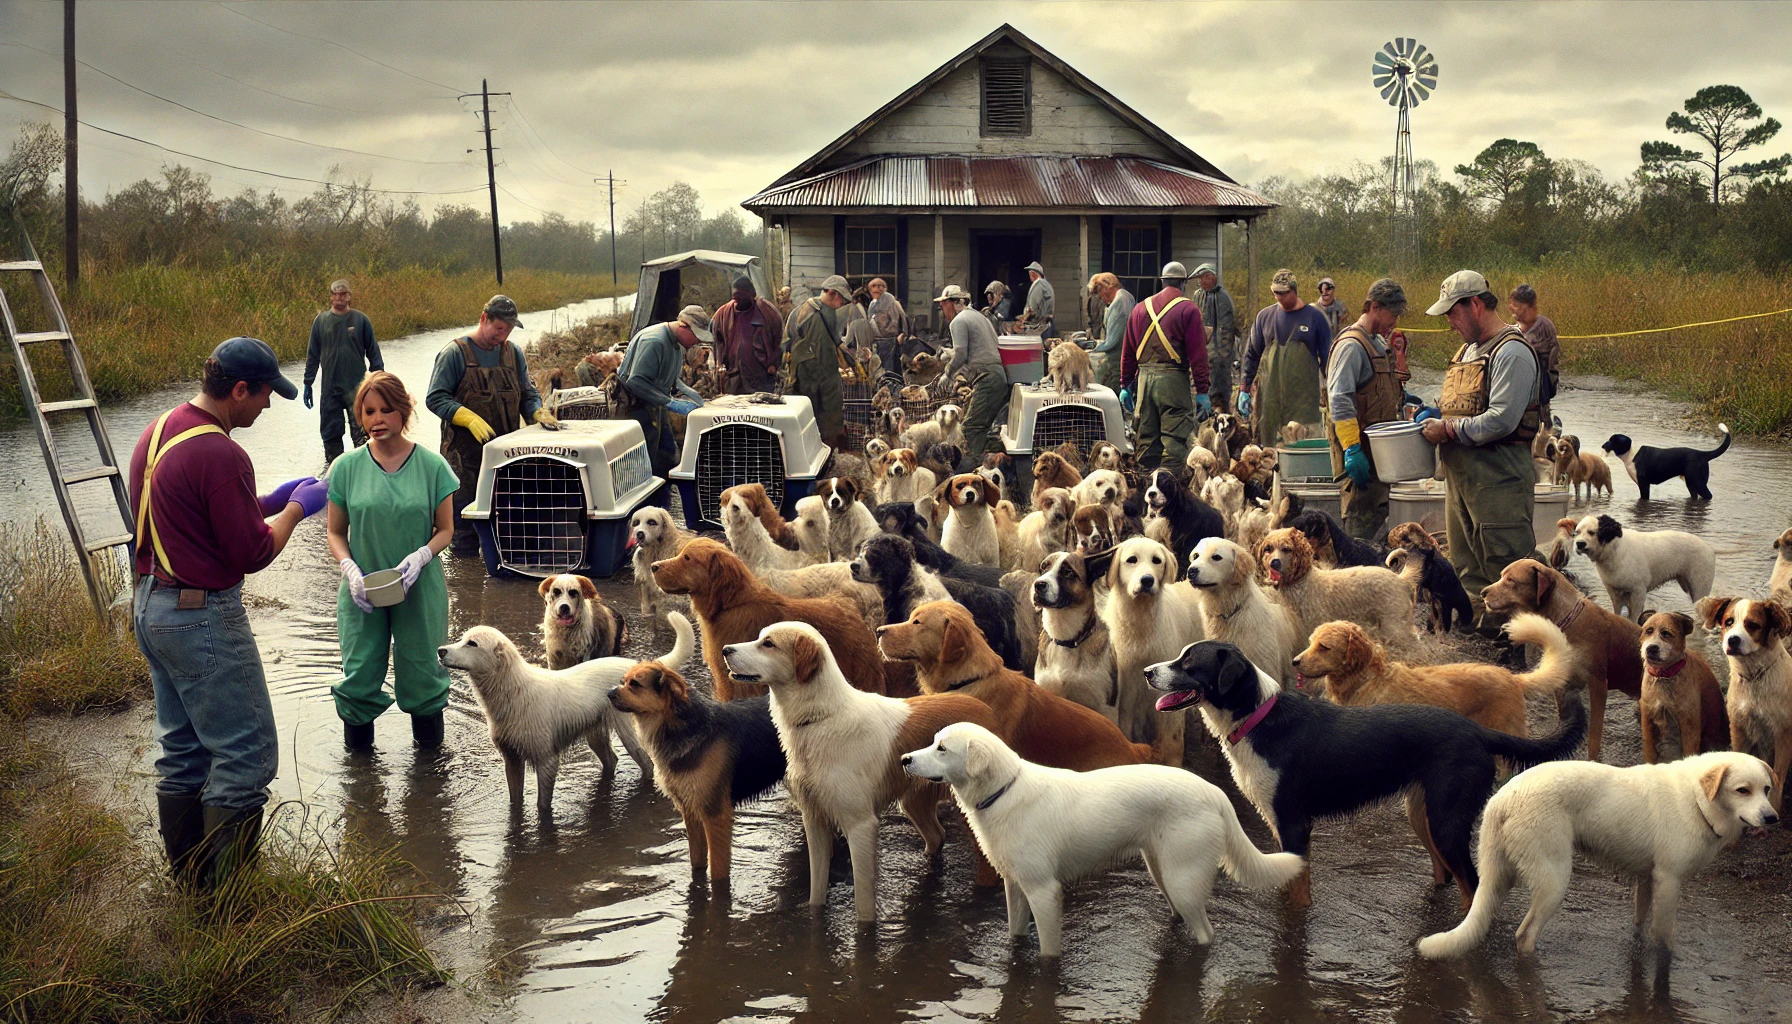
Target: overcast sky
[{"x": 728, "y": 96}]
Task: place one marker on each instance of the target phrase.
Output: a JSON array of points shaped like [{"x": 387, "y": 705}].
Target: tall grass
[
  {"x": 55, "y": 655},
  {"x": 1740, "y": 373}
]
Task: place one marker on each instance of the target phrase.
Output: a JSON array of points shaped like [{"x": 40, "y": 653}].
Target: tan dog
[
  {"x": 1236, "y": 610},
  {"x": 1104, "y": 455},
  {"x": 1760, "y": 700},
  {"x": 760, "y": 504},
  {"x": 1150, "y": 618},
  {"x": 1072, "y": 372},
  {"x": 1049, "y": 471},
  {"x": 1680, "y": 692},
  {"x": 743, "y": 522},
  {"x": 950, "y": 655},
  {"x": 1779, "y": 587},
  {"x": 1370, "y": 596},
  {"x": 576, "y": 624},
  {"x": 1589, "y": 470},
  {"x": 654, "y": 536},
  {"x": 1046, "y": 529}
]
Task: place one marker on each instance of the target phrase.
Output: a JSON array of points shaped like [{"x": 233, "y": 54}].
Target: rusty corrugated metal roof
[{"x": 1015, "y": 182}]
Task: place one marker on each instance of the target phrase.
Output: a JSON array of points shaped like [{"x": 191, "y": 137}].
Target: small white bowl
[{"x": 385, "y": 588}]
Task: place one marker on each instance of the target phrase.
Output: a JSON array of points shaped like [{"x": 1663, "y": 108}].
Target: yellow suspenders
[
  {"x": 146, "y": 523},
  {"x": 1157, "y": 328}
]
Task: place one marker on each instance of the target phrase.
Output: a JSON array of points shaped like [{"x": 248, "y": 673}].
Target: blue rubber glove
[
  {"x": 1356, "y": 463},
  {"x": 274, "y": 502},
  {"x": 1244, "y": 403},
  {"x": 1411, "y": 399},
  {"x": 357, "y": 585},
  {"x": 414, "y": 564},
  {"x": 311, "y": 496},
  {"x": 1429, "y": 412},
  {"x": 307, "y": 396},
  {"x": 1204, "y": 406},
  {"x": 681, "y": 407},
  {"x": 1126, "y": 400}
]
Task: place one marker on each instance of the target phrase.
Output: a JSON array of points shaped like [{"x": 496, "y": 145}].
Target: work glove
[
  {"x": 1356, "y": 463},
  {"x": 413, "y": 565},
  {"x": 1126, "y": 400},
  {"x": 274, "y": 502},
  {"x": 307, "y": 396},
  {"x": 311, "y": 496},
  {"x": 547, "y": 419},
  {"x": 1203, "y": 406},
  {"x": 357, "y": 585},
  {"x": 469, "y": 420},
  {"x": 681, "y": 407},
  {"x": 1244, "y": 403},
  {"x": 1430, "y": 412}
]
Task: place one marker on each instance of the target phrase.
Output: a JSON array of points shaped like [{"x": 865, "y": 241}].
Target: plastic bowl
[
  {"x": 1401, "y": 451},
  {"x": 385, "y": 588}
]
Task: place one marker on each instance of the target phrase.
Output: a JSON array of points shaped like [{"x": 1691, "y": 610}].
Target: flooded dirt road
[{"x": 594, "y": 916}]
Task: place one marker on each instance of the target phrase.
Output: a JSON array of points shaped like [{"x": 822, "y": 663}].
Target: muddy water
[{"x": 593, "y": 915}]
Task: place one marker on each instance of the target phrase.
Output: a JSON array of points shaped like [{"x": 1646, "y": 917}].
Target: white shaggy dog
[
  {"x": 812, "y": 528},
  {"x": 1235, "y": 609},
  {"x": 946, "y": 427},
  {"x": 1150, "y": 618},
  {"x": 655, "y": 538},
  {"x": 1046, "y": 529},
  {"x": 970, "y": 530},
  {"x": 536, "y": 713},
  {"x": 1043, "y": 827},
  {"x": 1632, "y": 563},
  {"x": 748, "y": 538},
  {"x": 1658, "y": 823},
  {"x": 1101, "y": 487}
]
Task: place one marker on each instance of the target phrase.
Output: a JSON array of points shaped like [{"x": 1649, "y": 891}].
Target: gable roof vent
[{"x": 1007, "y": 96}]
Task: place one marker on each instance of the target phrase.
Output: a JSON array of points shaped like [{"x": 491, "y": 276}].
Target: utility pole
[
  {"x": 71, "y": 214},
  {"x": 491, "y": 174},
  {"x": 613, "y": 278}
]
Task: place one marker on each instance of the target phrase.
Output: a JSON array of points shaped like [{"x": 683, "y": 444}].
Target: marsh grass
[
  {"x": 562, "y": 350},
  {"x": 55, "y": 655}
]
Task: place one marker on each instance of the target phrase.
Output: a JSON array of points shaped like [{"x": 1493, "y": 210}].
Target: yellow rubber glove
[
  {"x": 471, "y": 421},
  {"x": 1348, "y": 433},
  {"x": 547, "y": 419}
]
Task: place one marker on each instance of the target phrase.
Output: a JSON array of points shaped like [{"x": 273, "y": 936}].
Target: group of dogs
[{"x": 875, "y": 652}]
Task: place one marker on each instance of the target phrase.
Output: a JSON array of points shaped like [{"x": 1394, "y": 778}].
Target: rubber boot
[
  {"x": 357, "y": 737},
  {"x": 232, "y": 839},
  {"x": 426, "y": 730},
  {"x": 183, "y": 830}
]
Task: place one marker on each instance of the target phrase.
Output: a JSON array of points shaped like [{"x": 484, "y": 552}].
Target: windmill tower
[{"x": 1406, "y": 74}]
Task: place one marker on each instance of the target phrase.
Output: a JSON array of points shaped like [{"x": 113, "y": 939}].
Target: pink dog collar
[{"x": 1253, "y": 720}]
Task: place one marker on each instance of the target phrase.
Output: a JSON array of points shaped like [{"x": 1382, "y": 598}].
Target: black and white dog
[
  {"x": 901, "y": 519},
  {"x": 1650, "y": 466},
  {"x": 1188, "y": 519},
  {"x": 887, "y": 562},
  {"x": 1297, "y": 759}
]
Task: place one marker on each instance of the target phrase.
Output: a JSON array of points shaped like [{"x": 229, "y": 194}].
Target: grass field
[{"x": 55, "y": 656}]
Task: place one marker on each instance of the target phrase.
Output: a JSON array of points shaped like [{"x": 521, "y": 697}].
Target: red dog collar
[
  {"x": 1665, "y": 673},
  {"x": 1253, "y": 720}
]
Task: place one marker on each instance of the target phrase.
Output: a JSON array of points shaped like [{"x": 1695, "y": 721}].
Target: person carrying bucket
[
  {"x": 1163, "y": 360},
  {"x": 391, "y": 507},
  {"x": 1285, "y": 361}
]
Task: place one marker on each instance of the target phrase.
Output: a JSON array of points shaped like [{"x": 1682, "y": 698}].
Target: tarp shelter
[{"x": 658, "y": 299}]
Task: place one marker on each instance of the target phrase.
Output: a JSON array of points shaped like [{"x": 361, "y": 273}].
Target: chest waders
[
  {"x": 1380, "y": 400},
  {"x": 495, "y": 394},
  {"x": 1288, "y": 385},
  {"x": 1166, "y": 403}
]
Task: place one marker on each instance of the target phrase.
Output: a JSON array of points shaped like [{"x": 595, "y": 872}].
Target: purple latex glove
[
  {"x": 357, "y": 585},
  {"x": 274, "y": 502},
  {"x": 413, "y": 565},
  {"x": 311, "y": 496}
]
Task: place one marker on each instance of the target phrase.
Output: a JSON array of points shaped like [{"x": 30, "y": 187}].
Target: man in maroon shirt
[
  {"x": 748, "y": 331},
  {"x": 1164, "y": 358},
  {"x": 200, "y": 528}
]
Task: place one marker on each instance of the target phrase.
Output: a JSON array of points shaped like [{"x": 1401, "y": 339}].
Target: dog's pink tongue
[
  {"x": 566, "y": 620},
  {"x": 1275, "y": 576},
  {"x": 1170, "y": 701}
]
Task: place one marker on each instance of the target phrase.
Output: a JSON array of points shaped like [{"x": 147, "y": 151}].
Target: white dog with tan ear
[
  {"x": 1658, "y": 823},
  {"x": 1043, "y": 827}
]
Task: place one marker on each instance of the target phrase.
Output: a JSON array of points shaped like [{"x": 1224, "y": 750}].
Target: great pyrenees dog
[{"x": 1633, "y": 562}]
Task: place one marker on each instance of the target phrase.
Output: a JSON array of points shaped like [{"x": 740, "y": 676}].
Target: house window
[
  {"x": 1136, "y": 255},
  {"x": 1007, "y": 96},
  {"x": 871, "y": 252}
]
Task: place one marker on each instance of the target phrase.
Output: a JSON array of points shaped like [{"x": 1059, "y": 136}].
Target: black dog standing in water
[
  {"x": 1651, "y": 466},
  {"x": 1297, "y": 759}
]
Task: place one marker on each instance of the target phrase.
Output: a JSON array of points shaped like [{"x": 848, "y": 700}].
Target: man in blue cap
[{"x": 201, "y": 528}]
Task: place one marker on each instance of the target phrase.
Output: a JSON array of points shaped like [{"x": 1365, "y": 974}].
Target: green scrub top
[{"x": 391, "y": 515}]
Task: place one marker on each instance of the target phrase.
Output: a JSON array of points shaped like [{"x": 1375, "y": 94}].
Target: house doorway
[{"x": 1003, "y": 256}]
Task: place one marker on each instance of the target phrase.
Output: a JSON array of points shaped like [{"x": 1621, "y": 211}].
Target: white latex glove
[
  {"x": 412, "y": 566},
  {"x": 357, "y": 586}
]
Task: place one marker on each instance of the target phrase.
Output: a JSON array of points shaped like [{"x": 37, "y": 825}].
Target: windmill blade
[
  {"x": 1382, "y": 81},
  {"x": 1388, "y": 48},
  {"x": 1419, "y": 54},
  {"x": 1404, "y": 45},
  {"x": 1420, "y": 92},
  {"x": 1427, "y": 84},
  {"x": 1388, "y": 94},
  {"x": 1382, "y": 60}
]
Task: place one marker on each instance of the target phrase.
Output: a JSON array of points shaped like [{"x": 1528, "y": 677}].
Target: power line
[
  {"x": 318, "y": 39},
  {"x": 189, "y": 58},
  {"x": 544, "y": 141}
]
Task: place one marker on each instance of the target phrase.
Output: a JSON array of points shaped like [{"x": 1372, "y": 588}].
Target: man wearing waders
[
  {"x": 1290, "y": 342},
  {"x": 481, "y": 388},
  {"x": 812, "y": 345},
  {"x": 974, "y": 350},
  {"x": 1164, "y": 359},
  {"x": 1363, "y": 389},
  {"x": 344, "y": 350},
  {"x": 1221, "y": 319},
  {"x": 200, "y": 528},
  {"x": 1036, "y": 316},
  {"x": 1489, "y": 415},
  {"x": 653, "y": 384}
]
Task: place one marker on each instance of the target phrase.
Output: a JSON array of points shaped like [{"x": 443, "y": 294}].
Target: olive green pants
[
  {"x": 1365, "y": 508},
  {"x": 1491, "y": 493},
  {"x": 989, "y": 403},
  {"x": 1166, "y": 415},
  {"x": 1107, "y": 372},
  {"x": 818, "y": 379}
]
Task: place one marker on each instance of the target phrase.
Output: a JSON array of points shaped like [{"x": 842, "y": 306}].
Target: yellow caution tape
[{"x": 1623, "y": 334}]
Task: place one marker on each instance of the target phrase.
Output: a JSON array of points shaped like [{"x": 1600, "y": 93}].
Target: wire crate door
[
  {"x": 538, "y": 516},
  {"x": 1082, "y": 425},
  {"x": 738, "y": 453}
]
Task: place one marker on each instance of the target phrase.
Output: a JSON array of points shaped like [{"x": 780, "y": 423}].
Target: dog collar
[
  {"x": 1665, "y": 673},
  {"x": 1077, "y": 641},
  {"x": 984, "y": 804},
  {"x": 1573, "y": 613},
  {"x": 1253, "y": 720},
  {"x": 961, "y": 684}
]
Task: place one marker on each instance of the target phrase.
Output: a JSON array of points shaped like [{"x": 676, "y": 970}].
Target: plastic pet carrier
[
  {"x": 1040, "y": 419},
  {"x": 581, "y": 403},
  {"x": 734, "y": 440},
  {"x": 554, "y": 501}
]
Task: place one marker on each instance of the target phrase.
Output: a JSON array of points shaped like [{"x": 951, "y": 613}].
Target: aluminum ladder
[{"x": 84, "y": 404}]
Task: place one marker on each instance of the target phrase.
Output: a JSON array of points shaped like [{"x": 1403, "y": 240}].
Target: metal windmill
[{"x": 1406, "y": 75}]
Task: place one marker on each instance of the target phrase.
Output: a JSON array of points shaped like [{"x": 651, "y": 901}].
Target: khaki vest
[
  {"x": 1380, "y": 400},
  {"x": 1468, "y": 387}
]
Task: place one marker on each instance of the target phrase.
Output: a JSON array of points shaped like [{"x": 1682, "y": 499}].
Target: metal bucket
[
  {"x": 1310, "y": 459},
  {"x": 1401, "y": 452},
  {"x": 1551, "y": 505},
  {"x": 1324, "y": 496},
  {"x": 1417, "y": 503}
]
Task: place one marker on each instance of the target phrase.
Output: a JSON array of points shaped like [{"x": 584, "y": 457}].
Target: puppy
[
  {"x": 1607, "y": 643},
  {"x": 1149, "y": 617},
  {"x": 1660, "y": 824},
  {"x": 576, "y": 624},
  {"x": 1779, "y": 587},
  {"x": 1104, "y": 455},
  {"x": 1076, "y": 660},
  {"x": 887, "y": 562},
  {"x": 1097, "y": 529},
  {"x": 844, "y": 748},
  {"x": 898, "y": 476},
  {"x": 1071, "y": 369},
  {"x": 1298, "y": 760},
  {"x": 1046, "y": 529},
  {"x": 654, "y": 536},
  {"x": 998, "y": 469},
  {"x": 1631, "y": 564},
  {"x": 1237, "y": 611},
  {"x": 970, "y": 530},
  {"x": 1043, "y": 827},
  {"x": 1760, "y": 700},
  {"x": 891, "y": 423},
  {"x": 733, "y": 605},
  {"x": 747, "y": 534},
  {"x": 949, "y": 654},
  {"x": 536, "y": 713},
  {"x": 1101, "y": 487},
  {"x": 1177, "y": 519},
  {"x": 946, "y": 427},
  {"x": 850, "y": 522},
  {"x": 1370, "y": 596},
  {"x": 1435, "y": 585},
  {"x": 1589, "y": 471},
  {"x": 708, "y": 757},
  {"x": 1051, "y": 470},
  {"x": 1649, "y": 467},
  {"x": 1680, "y": 693}
]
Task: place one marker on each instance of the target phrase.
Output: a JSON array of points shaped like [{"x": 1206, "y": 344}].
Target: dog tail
[
  {"x": 1496, "y": 882},
  {"x": 1411, "y": 567},
  {"x": 1251, "y": 867},
  {"x": 1722, "y": 446},
  {"x": 1559, "y": 661},
  {"x": 1562, "y": 744},
  {"x": 682, "y": 647}
]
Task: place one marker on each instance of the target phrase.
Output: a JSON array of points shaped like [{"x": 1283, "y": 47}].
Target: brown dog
[
  {"x": 1608, "y": 644},
  {"x": 1679, "y": 689},
  {"x": 1753, "y": 634},
  {"x": 1049, "y": 471},
  {"x": 761, "y": 504},
  {"x": 733, "y": 606},
  {"x": 1411, "y": 536},
  {"x": 950, "y": 655}
]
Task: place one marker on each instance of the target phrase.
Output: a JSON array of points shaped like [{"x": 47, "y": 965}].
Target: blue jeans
[{"x": 214, "y": 719}]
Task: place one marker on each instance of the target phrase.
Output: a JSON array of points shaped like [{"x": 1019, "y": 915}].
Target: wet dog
[
  {"x": 536, "y": 713},
  {"x": 1235, "y": 609},
  {"x": 1680, "y": 693},
  {"x": 1754, "y": 636},
  {"x": 708, "y": 757},
  {"x": 1649, "y": 467},
  {"x": 1633, "y": 562},
  {"x": 888, "y": 563},
  {"x": 1076, "y": 660},
  {"x": 654, "y": 536},
  {"x": 576, "y": 624}
]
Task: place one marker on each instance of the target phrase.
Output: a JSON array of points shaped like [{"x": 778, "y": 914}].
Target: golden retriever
[{"x": 1370, "y": 596}]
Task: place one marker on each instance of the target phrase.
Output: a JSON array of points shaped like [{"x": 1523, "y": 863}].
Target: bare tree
[{"x": 25, "y": 173}]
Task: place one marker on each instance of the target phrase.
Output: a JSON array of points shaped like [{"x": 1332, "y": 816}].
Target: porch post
[
  {"x": 1082, "y": 228},
  {"x": 939, "y": 263},
  {"x": 1250, "y": 250}
]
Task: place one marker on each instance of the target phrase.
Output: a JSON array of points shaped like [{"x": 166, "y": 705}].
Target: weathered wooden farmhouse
[{"x": 1003, "y": 155}]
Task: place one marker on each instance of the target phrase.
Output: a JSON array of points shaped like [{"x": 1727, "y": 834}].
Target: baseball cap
[
  {"x": 502, "y": 307},
  {"x": 953, "y": 293},
  {"x": 1388, "y": 294},
  {"x": 838, "y": 285},
  {"x": 1173, "y": 271},
  {"x": 1326, "y": 282},
  {"x": 697, "y": 319},
  {"x": 253, "y": 360},
  {"x": 1206, "y": 268},
  {"x": 1284, "y": 281},
  {"x": 1463, "y": 284}
]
